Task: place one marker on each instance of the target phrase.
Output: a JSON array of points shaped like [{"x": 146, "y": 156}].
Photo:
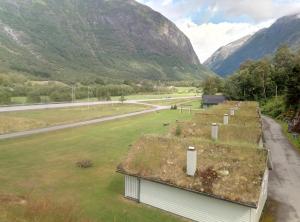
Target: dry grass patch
[
  {"x": 41, "y": 210},
  {"x": 227, "y": 133},
  {"x": 237, "y": 170},
  {"x": 26, "y": 120}
]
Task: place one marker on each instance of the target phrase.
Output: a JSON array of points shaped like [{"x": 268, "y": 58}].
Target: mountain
[
  {"x": 285, "y": 30},
  {"x": 224, "y": 52},
  {"x": 87, "y": 39}
]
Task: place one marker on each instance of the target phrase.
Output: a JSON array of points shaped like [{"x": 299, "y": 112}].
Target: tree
[
  {"x": 283, "y": 63},
  {"x": 293, "y": 88},
  {"x": 60, "y": 96},
  {"x": 5, "y": 96},
  {"x": 33, "y": 97},
  {"x": 212, "y": 85},
  {"x": 122, "y": 99}
]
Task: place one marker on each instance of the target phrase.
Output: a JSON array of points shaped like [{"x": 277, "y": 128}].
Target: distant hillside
[
  {"x": 285, "y": 30},
  {"x": 224, "y": 52},
  {"x": 75, "y": 39}
]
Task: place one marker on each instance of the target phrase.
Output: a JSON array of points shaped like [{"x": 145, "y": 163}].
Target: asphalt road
[
  {"x": 78, "y": 124},
  {"x": 77, "y": 104},
  {"x": 284, "y": 182}
]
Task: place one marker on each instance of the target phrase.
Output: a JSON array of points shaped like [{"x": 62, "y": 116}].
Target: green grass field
[
  {"x": 194, "y": 104},
  {"x": 25, "y": 120},
  {"x": 44, "y": 166}
]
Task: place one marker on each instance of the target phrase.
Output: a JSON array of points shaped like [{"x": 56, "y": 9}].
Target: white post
[
  {"x": 232, "y": 112},
  {"x": 214, "y": 131},
  {"x": 191, "y": 161},
  {"x": 226, "y": 119}
]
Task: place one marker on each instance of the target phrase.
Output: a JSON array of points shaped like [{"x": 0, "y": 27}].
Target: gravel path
[
  {"x": 284, "y": 183},
  {"x": 78, "y": 124}
]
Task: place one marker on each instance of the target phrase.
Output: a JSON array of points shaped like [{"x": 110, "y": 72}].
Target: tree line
[
  {"x": 16, "y": 85},
  {"x": 268, "y": 80}
]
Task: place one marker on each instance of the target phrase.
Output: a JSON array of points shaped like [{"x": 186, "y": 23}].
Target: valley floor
[{"x": 43, "y": 166}]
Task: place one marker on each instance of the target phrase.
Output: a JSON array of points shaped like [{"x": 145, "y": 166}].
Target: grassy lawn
[
  {"x": 25, "y": 120},
  {"x": 44, "y": 166},
  {"x": 172, "y": 101},
  {"x": 195, "y": 104},
  {"x": 22, "y": 100}
]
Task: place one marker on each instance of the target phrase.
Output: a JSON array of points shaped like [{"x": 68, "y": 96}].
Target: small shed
[
  {"x": 210, "y": 100},
  {"x": 208, "y": 182}
]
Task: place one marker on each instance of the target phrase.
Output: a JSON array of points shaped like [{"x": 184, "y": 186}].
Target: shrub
[
  {"x": 84, "y": 163},
  {"x": 274, "y": 107},
  {"x": 60, "y": 96},
  {"x": 178, "y": 130},
  {"x": 5, "y": 96},
  {"x": 33, "y": 97}
]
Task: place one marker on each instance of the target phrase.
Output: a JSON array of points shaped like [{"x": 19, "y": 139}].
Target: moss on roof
[
  {"x": 229, "y": 172},
  {"x": 243, "y": 127}
]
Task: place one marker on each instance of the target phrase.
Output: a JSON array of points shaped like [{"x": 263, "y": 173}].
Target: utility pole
[
  {"x": 88, "y": 97},
  {"x": 276, "y": 90},
  {"x": 73, "y": 93}
]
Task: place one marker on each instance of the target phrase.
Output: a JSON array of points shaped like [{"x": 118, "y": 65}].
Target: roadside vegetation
[
  {"x": 275, "y": 82},
  {"x": 26, "y": 120},
  {"x": 16, "y": 88}
]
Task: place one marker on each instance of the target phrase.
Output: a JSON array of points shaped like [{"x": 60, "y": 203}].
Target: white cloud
[
  {"x": 207, "y": 38},
  {"x": 257, "y": 10}
]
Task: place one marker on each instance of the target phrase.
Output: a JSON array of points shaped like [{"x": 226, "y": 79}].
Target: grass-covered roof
[{"x": 231, "y": 168}]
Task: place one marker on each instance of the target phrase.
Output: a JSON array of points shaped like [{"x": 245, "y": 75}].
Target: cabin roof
[{"x": 213, "y": 99}]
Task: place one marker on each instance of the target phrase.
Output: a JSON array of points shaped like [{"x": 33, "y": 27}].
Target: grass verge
[
  {"x": 26, "y": 120},
  {"x": 295, "y": 142}
]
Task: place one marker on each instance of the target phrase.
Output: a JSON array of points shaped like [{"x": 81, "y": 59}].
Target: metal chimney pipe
[
  {"x": 214, "y": 131},
  {"x": 191, "y": 161},
  {"x": 226, "y": 119}
]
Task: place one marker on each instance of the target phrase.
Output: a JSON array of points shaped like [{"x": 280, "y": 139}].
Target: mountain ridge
[
  {"x": 111, "y": 39},
  {"x": 225, "y": 51},
  {"x": 285, "y": 30}
]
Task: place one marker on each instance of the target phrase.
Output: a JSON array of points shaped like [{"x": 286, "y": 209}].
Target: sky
[{"x": 210, "y": 24}]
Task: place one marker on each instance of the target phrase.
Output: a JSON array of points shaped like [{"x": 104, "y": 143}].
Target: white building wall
[
  {"x": 192, "y": 205},
  {"x": 256, "y": 213},
  {"x": 132, "y": 186}
]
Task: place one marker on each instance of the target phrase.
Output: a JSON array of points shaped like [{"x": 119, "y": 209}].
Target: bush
[
  {"x": 178, "y": 130},
  {"x": 274, "y": 107},
  {"x": 60, "y": 96},
  {"x": 33, "y": 97},
  {"x": 174, "y": 107},
  {"x": 84, "y": 163},
  {"x": 5, "y": 96}
]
